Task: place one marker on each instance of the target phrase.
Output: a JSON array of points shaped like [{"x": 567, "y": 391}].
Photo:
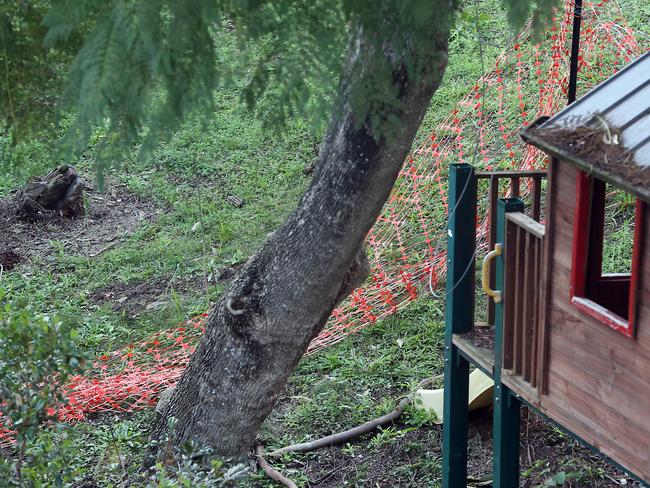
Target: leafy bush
[
  {"x": 197, "y": 467},
  {"x": 33, "y": 74},
  {"x": 37, "y": 355}
]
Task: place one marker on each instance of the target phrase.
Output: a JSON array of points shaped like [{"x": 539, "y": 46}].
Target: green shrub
[
  {"x": 37, "y": 356},
  {"x": 195, "y": 467}
]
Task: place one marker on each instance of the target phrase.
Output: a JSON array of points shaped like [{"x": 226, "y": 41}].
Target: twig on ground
[
  {"x": 104, "y": 249},
  {"x": 614, "y": 480},
  {"x": 327, "y": 476},
  {"x": 530, "y": 457},
  {"x": 119, "y": 455},
  {"x": 172, "y": 279},
  {"x": 270, "y": 472},
  {"x": 355, "y": 432}
]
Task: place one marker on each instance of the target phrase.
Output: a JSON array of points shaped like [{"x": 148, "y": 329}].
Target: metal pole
[
  {"x": 575, "y": 51},
  {"x": 459, "y": 318}
]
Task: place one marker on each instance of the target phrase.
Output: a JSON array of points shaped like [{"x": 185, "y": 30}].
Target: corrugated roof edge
[
  {"x": 533, "y": 139},
  {"x": 600, "y": 86}
]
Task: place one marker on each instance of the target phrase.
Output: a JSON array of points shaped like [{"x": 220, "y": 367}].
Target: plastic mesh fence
[
  {"x": 407, "y": 244},
  {"x": 527, "y": 81}
]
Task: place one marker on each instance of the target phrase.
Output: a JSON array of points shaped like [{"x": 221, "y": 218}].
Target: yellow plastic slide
[{"x": 480, "y": 395}]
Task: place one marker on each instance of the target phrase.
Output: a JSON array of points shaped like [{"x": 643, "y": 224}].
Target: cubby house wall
[{"x": 598, "y": 379}]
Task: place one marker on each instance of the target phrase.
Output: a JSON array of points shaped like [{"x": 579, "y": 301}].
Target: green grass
[
  {"x": 349, "y": 383},
  {"x": 618, "y": 238},
  {"x": 366, "y": 373},
  {"x": 188, "y": 179}
]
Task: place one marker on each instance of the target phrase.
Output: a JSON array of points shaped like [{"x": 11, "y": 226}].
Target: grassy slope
[{"x": 188, "y": 179}]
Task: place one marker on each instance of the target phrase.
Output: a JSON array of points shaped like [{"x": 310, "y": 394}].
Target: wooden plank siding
[{"x": 598, "y": 379}]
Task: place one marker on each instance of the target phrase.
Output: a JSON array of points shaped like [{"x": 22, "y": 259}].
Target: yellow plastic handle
[{"x": 485, "y": 274}]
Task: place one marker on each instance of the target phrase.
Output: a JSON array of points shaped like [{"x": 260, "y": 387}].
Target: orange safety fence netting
[
  {"x": 527, "y": 81},
  {"x": 406, "y": 246}
]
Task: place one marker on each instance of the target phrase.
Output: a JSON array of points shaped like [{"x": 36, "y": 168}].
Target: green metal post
[
  {"x": 459, "y": 317},
  {"x": 506, "y": 404}
]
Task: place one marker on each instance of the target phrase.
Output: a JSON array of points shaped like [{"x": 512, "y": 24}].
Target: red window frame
[{"x": 587, "y": 280}]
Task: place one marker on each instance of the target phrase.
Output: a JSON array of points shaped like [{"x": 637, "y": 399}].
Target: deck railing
[
  {"x": 532, "y": 180},
  {"x": 515, "y": 261},
  {"x": 523, "y": 318}
]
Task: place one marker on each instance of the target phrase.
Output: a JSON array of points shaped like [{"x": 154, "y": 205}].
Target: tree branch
[
  {"x": 270, "y": 472},
  {"x": 355, "y": 432}
]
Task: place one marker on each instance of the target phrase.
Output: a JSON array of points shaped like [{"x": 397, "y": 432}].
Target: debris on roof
[{"x": 607, "y": 131}]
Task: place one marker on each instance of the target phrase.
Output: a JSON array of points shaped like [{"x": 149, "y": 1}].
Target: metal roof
[{"x": 621, "y": 104}]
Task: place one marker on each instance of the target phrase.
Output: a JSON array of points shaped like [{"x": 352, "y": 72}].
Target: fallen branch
[
  {"x": 270, "y": 472},
  {"x": 355, "y": 432},
  {"x": 106, "y": 248},
  {"x": 336, "y": 438}
]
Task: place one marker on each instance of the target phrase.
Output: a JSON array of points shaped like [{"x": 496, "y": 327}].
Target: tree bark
[{"x": 285, "y": 293}]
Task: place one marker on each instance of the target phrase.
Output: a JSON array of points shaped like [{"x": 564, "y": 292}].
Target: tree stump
[{"x": 60, "y": 192}]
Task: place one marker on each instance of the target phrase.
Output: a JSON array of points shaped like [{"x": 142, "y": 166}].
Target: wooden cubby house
[{"x": 562, "y": 336}]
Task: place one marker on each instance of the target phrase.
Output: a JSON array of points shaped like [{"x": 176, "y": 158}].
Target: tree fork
[{"x": 283, "y": 296}]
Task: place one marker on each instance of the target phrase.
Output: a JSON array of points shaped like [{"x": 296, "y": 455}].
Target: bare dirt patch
[
  {"x": 9, "y": 259},
  {"x": 111, "y": 217},
  {"x": 408, "y": 460},
  {"x": 544, "y": 451},
  {"x": 397, "y": 464},
  {"x": 133, "y": 299}
]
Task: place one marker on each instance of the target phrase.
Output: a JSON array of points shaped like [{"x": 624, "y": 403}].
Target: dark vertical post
[
  {"x": 459, "y": 317},
  {"x": 514, "y": 187},
  {"x": 494, "y": 196},
  {"x": 575, "y": 51},
  {"x": 537, "y": 197},
  {"x": 506, "y": 404}
]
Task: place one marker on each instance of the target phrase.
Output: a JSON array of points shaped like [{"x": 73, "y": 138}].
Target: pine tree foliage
[
  {"x": 31, "y": 76},
  {"x": 148, "y": 65},
  {"x": 519, "y": 11},
  {"x": 145, "y": 66}
]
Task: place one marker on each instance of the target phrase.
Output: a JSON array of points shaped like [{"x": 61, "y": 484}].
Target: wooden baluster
[
  {"x": 520, "y": 251},
  {"x": 537, "y": 197},
  {"x": 510, "y": 290},
  {"x": 529, "y": 298},
  {"x": 537, "y": 266},
  {"x": 514, "y": 187}
]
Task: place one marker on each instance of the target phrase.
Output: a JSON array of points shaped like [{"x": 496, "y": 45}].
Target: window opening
[{"x": 606, "y": 253}]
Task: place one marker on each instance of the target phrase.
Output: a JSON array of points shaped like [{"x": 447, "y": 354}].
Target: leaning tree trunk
[{"x": 285, "y": 293}]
